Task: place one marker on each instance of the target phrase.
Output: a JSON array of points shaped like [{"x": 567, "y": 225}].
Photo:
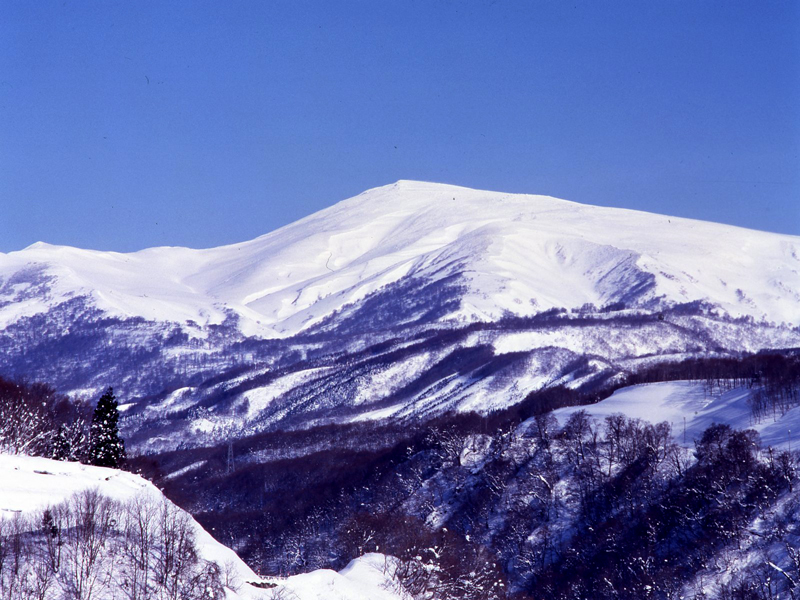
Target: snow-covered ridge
[{"x": 517, "y": 254}]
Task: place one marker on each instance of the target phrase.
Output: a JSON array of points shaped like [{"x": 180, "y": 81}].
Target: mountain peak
[
  {"x": 390, "y": 265},
  {"x": 514, "y": 254},
  {"x": 40, "y": 246}
]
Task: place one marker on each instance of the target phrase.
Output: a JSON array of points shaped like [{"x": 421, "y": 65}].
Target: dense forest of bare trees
[{"x": 515, "y": 501}]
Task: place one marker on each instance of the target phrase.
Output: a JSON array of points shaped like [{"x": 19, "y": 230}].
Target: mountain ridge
[
  {"x": 392, "y": 304},
  {"x": 366, "y": 245}
]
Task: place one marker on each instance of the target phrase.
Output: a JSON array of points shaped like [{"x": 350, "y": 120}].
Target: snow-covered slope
[
  {"x": 516, "y": 253},
  {"x": 690, "y": 409},
  {"x": 30, "y": 484},
  {"x": 406, "y": 301},
  {"x": 34, "y": 483},
  {"x": 368, "y": 577}
]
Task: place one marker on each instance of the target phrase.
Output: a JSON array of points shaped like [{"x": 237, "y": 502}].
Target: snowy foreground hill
[
  {"x": 408, "y": 301},
  {"x": 32, "y": 484}
]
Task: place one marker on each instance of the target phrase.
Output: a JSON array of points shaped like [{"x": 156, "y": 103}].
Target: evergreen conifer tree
[
  {"x": 106, "y": 447},
  {"x": 61, "y": 445}
]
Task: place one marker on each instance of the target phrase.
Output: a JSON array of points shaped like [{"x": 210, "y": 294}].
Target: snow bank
[
  {"x": 366, "y": 578},
  {"x": 33, "y": 483}
]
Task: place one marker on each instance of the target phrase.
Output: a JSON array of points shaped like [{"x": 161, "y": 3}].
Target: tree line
[
  {"x": 773, "y": 377},
  {"x": 37, "y": 421}
]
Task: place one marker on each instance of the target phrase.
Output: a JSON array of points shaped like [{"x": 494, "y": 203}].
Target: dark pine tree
[{"x": 106, "y": 447}]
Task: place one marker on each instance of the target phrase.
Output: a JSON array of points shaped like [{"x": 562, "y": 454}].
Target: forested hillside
[{"x": 521, "y": 503}]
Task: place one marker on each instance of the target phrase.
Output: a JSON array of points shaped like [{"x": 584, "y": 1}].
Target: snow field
[{"x": 686, "y": 402}]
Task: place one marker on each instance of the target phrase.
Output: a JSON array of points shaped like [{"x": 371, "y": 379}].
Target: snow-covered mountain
[
  {"x": 413, "y": 298},
  {"x": 409, "y": 302},
  {"x": 515, "y": 254}
]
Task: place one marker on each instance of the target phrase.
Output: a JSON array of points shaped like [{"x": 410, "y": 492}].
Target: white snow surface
[
  {"x": 520, "y": 254},
  {"x": 368, "y": 577},
  {"x": 29, "y": 484},
  {"x": 678, "y": 400},
  {"x": 33, "y": 483}
]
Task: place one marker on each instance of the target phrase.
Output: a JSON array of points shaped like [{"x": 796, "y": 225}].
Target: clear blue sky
[{"x": 125, "y": 125}]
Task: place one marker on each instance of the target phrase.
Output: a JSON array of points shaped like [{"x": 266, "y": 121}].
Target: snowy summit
[{"x": 517, "y": 254}]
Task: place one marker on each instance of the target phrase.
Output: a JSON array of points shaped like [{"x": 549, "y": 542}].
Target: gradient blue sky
[{"x": 125, "y": 125}]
